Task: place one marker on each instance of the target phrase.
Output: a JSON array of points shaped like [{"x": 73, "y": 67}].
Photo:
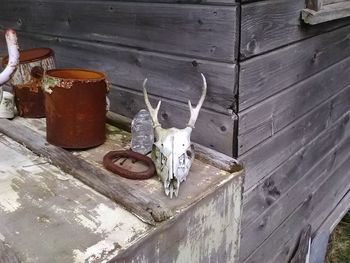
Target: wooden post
[{"x": 315, "y": 5}]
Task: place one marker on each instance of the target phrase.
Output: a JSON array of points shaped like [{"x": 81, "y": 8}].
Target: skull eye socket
[
  {"x": 189, "y": 153},
  {"x": 163, "y": 160}
]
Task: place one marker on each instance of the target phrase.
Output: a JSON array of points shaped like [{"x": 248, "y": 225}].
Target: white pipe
[{"x": 12, "y": 47}]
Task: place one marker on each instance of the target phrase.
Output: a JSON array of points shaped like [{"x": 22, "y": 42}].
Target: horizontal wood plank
[
  {"x": 267, "y": 25},
  {"x": 144, "y": 207},
  {"x": 129, "y": 67},
  {"x": 329, "y": 2},
  {"x": 302, "y": 181},
  {"x": 268, "y": 192},
  {"x": 270, "y": 154},
  {"x": 314, "y": 210},
  {"x": 268, "y": 74},
  {"x": 191, "y": 30},
  {"x": 265, "y": 119},
  {"x": 263, "y": 159},
  {"x": 213, "y": 130},
  {"x": 217, "y": 2}
]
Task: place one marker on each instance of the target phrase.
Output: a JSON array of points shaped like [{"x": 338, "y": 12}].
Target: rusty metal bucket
[
  {"x": 75, "y": 103},
  {"x": 26, "y": 81}
]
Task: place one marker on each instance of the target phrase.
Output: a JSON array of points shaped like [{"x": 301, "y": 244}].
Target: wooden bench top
[
  {"x": 67, "y": 207},
  {"x": 47, "y": 215}
]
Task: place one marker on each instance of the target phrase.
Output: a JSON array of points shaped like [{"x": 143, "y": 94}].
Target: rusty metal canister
[
  {"x": 26, "y": 81},
  {"x": 75, "y": 103}
]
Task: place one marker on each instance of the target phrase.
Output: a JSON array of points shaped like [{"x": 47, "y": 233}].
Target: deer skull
[{"x": 172, "y": 151}]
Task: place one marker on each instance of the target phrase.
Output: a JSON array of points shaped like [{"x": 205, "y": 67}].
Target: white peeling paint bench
[{"x": 48, "y": 215}]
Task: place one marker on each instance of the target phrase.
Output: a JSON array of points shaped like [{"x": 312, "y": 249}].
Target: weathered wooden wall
[
  {"x": 294, "y": 128},
  {"x": 293, "y": 84},
  {"x": 170, "y": 42}
]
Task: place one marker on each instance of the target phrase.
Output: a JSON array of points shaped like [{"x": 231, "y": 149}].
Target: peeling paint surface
[
  {"x": 205, "y": 228},
  {"x": 49, "y": 216}
]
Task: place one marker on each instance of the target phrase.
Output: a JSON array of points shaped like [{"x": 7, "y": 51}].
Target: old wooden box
[{"x": 64, "y": 207}]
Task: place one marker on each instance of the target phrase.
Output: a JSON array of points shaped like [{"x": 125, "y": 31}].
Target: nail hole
[{"x": 223, "y": 128}]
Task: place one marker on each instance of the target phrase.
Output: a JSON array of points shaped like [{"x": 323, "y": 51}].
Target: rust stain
[
  {"x": 29, "y": 99},
  {"x": 26, "y": 81}
]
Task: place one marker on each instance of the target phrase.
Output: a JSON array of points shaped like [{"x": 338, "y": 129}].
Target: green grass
[{"x": 339, "y": 243}]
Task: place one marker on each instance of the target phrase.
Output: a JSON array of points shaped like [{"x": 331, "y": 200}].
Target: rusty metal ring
[{"x": 109, "y": 163}]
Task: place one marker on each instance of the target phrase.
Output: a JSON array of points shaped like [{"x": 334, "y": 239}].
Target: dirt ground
[{"x": 339, "y": 244}]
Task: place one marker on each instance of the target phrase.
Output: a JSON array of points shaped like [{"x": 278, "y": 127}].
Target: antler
[
  {"x": 12, "y": 46},
  {"x": 195, "y": 111},
  {"x": 153, "y": 112}
]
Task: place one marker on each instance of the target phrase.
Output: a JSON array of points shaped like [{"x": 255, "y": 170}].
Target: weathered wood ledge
[{"x": 145, "y": 199}]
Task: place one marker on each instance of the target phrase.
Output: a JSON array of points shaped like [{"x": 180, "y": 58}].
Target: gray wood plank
[
  {"x": 341, "y": 105},
  {"x": 337, "y": 214},
  {"x": 172, "y": 77},
  {"x": 315, "y": 208},
  {"x": 173, "y": 114},
  {"x": 288, "y": 199},
  {"x": 268, "y": 74},
  {"x": 270, "y": 154},
  {"x": 269, "y": 191},
  {"x": 328, "y": 2},
  {"x": 265, "y": 119},
  {"x": 266, "y": 157},
  {"x": 145, "y": 207},
  {"x": 217, "y": 2},
  {"x": 191, "y": 30},
  {"x": 267, "y": 25}
]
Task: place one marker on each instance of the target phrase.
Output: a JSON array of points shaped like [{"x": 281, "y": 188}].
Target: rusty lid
[
  {"x": 31, "y": 55},
  {"x": 78, "y": 74}
]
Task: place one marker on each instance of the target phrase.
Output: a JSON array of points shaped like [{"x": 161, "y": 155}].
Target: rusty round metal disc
[{"x": 109, "y": 163}]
